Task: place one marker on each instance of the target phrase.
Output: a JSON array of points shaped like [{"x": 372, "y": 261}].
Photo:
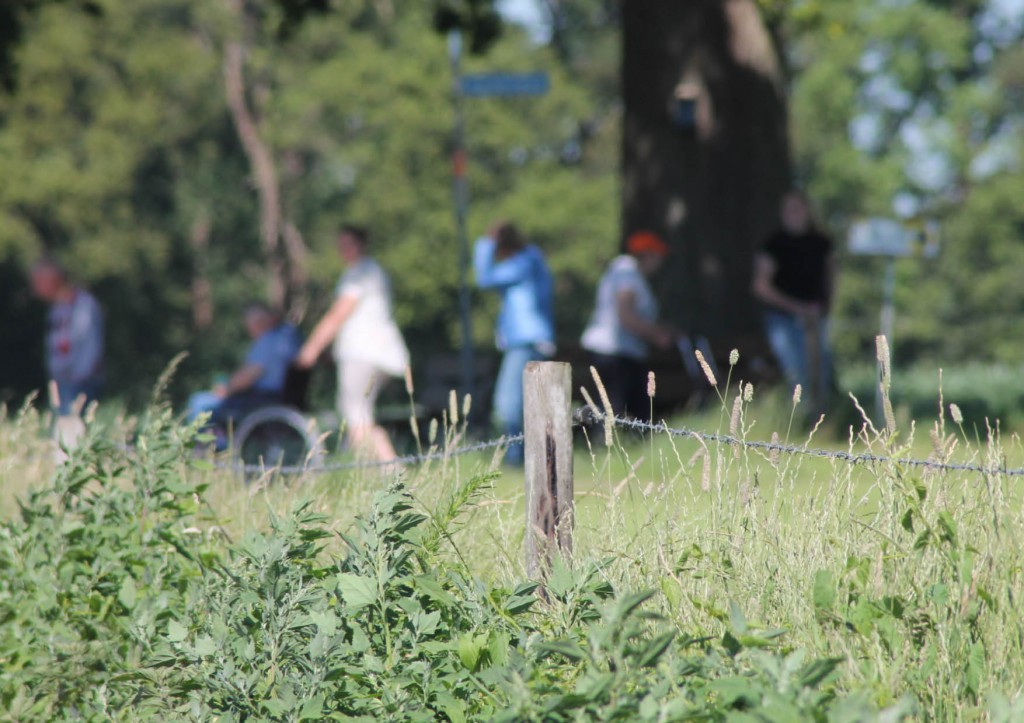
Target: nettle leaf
[
  {"x": 176, "y": 632},
  {"x": 429, "y": 586},
  {"x": 326, "y": 621},
  {"x": 205, "y": 646},
  {"x": 426, "y": 623},
  {"x": 356, "y": 590},
  {"x": 312, "y": 709},
  {"x": 127, "y": 595}
]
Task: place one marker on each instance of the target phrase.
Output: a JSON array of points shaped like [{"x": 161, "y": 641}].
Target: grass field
[{"x": 908, "y": 577}]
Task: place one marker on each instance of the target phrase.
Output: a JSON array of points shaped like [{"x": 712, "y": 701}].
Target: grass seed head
[
  {"x": 453, "y": 407},
  {"x": 707, "y": 368}
]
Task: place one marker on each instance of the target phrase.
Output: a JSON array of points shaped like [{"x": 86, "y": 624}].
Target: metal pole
[
  {"x": 887, "y": 319},
  {"x": 461, "y": 194}
]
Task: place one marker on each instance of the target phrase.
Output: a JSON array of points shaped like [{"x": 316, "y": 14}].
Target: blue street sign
[{"x": 505, "y": 84}]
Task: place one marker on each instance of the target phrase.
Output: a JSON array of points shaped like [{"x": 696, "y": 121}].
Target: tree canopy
[{"x": 131, "y": 134}]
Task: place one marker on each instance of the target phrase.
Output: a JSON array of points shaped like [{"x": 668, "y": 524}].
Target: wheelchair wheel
[{"x": 277, "y": 437}]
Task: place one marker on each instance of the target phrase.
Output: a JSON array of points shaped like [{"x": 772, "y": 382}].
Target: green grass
[{"x": 911, "y": 577}]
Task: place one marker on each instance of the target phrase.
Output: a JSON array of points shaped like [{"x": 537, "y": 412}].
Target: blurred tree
[
  {"x": 121, "y": 155},
  {"x": 705, "y": 150},
  {"x": 913, "y": 110}
]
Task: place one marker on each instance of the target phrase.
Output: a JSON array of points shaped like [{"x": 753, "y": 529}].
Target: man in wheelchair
[{"x": 260, "y": 381}]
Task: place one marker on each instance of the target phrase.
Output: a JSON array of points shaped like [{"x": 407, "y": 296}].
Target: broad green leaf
[
  {"x": 312, "y": 709},
  {"x": 326, "y": 621},
  {"x": 205, "y": 646},
  {"x": 127, "y": 595},
  {"x": 176, "y": 632},
  {"x": 357, "y": 591}
]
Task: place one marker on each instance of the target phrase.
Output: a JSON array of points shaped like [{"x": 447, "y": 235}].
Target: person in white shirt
[
  {"x": 368, "y": 346},
  {"x": 625, "y": 323}
]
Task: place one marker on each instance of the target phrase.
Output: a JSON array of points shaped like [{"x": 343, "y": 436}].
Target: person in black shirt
[{"x": 794, "y": 276}]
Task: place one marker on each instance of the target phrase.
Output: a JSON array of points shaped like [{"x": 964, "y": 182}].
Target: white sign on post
[{"x": 887, "y": 237}]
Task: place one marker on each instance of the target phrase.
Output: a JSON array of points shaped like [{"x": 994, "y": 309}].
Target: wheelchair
[{"x": 280, "y": 435}]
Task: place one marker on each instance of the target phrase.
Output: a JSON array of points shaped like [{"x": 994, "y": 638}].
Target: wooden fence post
[{"x": 547, "y": 424}]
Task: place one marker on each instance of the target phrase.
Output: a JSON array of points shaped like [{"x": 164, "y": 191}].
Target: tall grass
[{"x": 910, "y": 576}]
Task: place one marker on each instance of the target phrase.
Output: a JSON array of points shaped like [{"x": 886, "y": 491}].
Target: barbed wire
[{"x": 587, "y": 415}]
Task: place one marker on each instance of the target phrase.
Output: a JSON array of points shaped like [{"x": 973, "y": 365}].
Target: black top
[{"x": 801, "y": 265}]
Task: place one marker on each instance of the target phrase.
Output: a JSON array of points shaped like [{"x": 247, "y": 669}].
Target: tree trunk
[
  {"x": 713, "y": 190},
  {"x": 202, "y": 293},
  {"x": 283, "y": 246}
]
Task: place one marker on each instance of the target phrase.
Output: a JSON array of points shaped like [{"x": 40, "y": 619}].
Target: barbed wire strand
[
  {"x": 586, "y": 416},
  {"x": 782, "y": 448}
]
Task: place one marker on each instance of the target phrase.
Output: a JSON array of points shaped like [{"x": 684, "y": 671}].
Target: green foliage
[
  {"x": 120, "y": 156},
  {"x": 914, "y": 103},
  {"x": 121, "y": 599},
  {"x": 981, "y": 391},
  {"x": 92, "y": 571}
]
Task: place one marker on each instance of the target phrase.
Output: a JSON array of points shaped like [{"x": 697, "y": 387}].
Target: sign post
[
  {"x": 892, "y": 240},
  {"x": 460, "y": 190},
  {"x": 481, "y": 85}
]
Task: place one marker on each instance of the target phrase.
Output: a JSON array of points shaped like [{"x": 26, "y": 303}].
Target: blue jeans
[
  {"x": 508, "y": 395},
  {"x": 787, "y": 335},
  {"x": 69, "y": 391}
]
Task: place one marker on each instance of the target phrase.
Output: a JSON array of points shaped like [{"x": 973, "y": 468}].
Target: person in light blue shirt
[
  {"x": 74, "y": 338},
  {"x": 260, "y": 380},
  {"x": 505, "y": 263}
]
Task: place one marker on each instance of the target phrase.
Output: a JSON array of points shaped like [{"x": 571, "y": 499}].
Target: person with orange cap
[{"x": 625, "y": 323}]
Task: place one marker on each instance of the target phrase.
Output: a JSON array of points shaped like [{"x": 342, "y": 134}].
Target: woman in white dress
[{"x": 368, "y": 346}]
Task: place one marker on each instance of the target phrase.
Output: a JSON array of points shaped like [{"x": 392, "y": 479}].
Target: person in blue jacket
[{"x": 505, "y": 263}]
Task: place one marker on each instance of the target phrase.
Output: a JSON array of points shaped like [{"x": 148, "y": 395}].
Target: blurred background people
[
  {"x": 368, "y": 346},
  {"x": 74, "y": 337},
  {"x": 625, "y": 323},
  {"x": 794, "y": 276},
  {"x": 505, "y": 263},
  {"x": 260, "y": 381}
]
